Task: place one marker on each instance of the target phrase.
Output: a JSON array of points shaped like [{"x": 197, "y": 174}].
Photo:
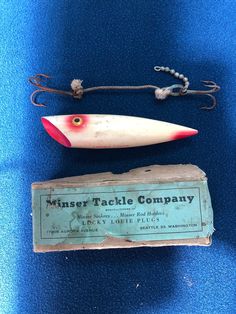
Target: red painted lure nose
[{"x": 55, "y": 133}]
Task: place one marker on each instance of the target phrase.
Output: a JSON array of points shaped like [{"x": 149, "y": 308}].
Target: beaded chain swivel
[
  {"x": 161, "y": 93},
  {"x": 175, "y": 74}
]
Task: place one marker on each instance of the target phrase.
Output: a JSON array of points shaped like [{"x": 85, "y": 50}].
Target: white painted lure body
[{"x": 111, "y": 131}]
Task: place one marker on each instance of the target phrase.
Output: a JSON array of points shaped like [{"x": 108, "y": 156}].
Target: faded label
[{"x": 138, "y": 212}]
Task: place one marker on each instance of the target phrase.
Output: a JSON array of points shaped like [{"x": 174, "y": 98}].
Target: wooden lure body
[{"x": 111, "y": 131}]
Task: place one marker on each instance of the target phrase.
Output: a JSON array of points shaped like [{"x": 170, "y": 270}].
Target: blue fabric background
[{"x": 116, "y": 42}]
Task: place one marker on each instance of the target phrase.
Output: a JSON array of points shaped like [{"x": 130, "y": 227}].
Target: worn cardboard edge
[
  {"x": 111, "y": 243},
  {"x": 149, "y": 174}
]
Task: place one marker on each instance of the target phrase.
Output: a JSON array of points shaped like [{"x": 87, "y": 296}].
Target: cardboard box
[{"x": 149, "y": 206}]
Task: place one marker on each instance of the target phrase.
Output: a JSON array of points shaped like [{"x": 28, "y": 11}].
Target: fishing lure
[
  {"x": 114, "y": 131},
  {"x": 111, "y": 131}
]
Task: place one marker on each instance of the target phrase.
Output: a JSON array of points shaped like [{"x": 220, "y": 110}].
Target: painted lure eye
[{"x": 77, "y": 121}]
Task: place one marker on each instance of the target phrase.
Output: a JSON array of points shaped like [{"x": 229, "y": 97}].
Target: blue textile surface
[{"x": 116, "y": 42}]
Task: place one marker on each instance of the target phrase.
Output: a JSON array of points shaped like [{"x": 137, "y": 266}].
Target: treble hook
[
  {"x": 214, "y": 88},
  {"x": 36, "y": 81}
]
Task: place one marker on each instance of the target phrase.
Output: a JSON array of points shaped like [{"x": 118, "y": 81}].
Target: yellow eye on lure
[
  {"x": 114, "y": 131},
  {"x": 77, "y": 120}
]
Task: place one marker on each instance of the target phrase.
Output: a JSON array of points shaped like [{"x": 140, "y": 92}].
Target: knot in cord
[
  {"x": 162, "y": 93},
  {"x": 77, "y": 88}
]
